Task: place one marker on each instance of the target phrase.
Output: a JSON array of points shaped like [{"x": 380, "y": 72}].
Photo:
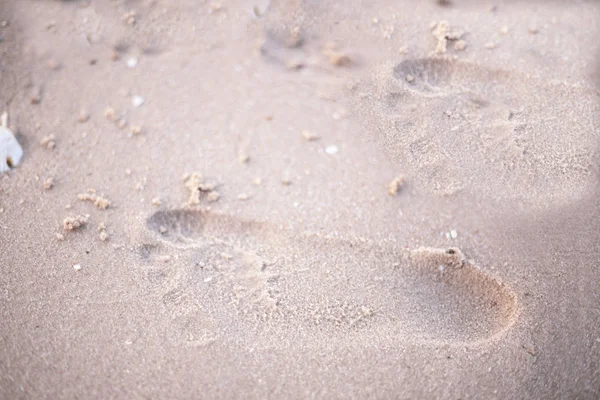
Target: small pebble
[
  {"x": 84, "y": 116},
  {"x": 286, "y": 179},
  {"x": 309, "y": 136},
  {"x": 213, "y": 196},
  {"x": 77, "y": 267},
  {"x": 103, "y": 236},
  {"x": 137, "y": 101},
  {"x": 110, "y": 113},
  {"x": 332, "y": 149},
  {"x": 460, "y": 45},
  {"x": 53, "y": 64},
  {"x": 132, "y": 62},
  {"x": 36, "y": 95},
  {"x": 48, "y": 142},
  {"x": 48, "y": 183},
  {"x": 243, "y": 157},
  {"x": 396, "y": 185}
]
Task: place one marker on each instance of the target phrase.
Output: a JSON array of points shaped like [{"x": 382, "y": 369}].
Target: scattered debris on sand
[
  {"x": 243, "y": 156},
  {"x": 286, "y": 178},
  {"x": 110, "y": 113},
  {"x": 48, "y": 141},
  {"x": 77, "y": 267},
  {"x": 135, "y": 130},
  {"x": 102, "y": 234},
  {"x": 73, "y": 223},
  {"x": 53, "y": 64},
  {"x": 48, "y": 183},
  {"x": 310, "y": 136},
  {"x": 36, "y": 95},
  {"x": 332, "y": 149},
  {"x": 193, "y": 183},
  {"x": 100, "y": 202},
  {"x": 439, "y": 258},
  {"x": 199, "y": 187},
  {"x": 137, "y": 101},
  {"x": 213, "y": 196},
  {"x": 10, "y": 150},
  {"x": 129, "y": 18},
  {"x": 460, "y": 45},
  {"x": 84, "y": 116},
  {"x": 335, "y": 56},
  {"x": 396, "y": 185},
  {"x": 442, "y": 32},
  {"x": 156, "y": 202},
  {"x": 215, "y": 8},
  {"x": 132, "y": 62},
  {"x": 60, "y": 237}
]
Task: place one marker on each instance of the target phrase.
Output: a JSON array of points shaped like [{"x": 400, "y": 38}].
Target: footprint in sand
[
  {"x": 459, "y": 126},
  {"x": 264, "y": 278}
]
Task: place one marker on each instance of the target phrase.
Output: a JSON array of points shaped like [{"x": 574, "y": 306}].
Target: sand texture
[{"x": 300, "y": 199}]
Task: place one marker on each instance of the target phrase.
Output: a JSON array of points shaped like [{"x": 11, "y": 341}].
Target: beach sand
[{"x": 300, "y": 199}]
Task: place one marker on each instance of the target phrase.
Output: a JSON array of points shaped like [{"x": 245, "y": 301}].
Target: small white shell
[
  {"x": 137, "y": 101},
  {"x": 10, "y": 150}
]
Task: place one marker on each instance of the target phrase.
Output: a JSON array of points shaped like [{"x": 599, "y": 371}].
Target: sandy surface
[{"x": 213, "y": 213}]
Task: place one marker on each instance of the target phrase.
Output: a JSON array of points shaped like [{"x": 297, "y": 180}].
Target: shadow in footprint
[{"x": 296, "y": 283}]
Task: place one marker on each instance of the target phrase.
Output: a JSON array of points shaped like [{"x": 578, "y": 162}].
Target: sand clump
[
  {"x": 102, "y": 233},
  {"x": 198, "y": 187},
  {"x": 443, "y": 34},
  {"x": 110, "y": 113},
  {"x": 396, "y": 185},
  {"x": 99, "y": 201},
  {"x": 335, "y": 56},
  {"x": 84, "y": 116},
  {"x": 48, "y": 183},
  {"x": 48, "y": 141},
  {"x": 76, "y": 222},
  {"x": 310, "y": 136}
]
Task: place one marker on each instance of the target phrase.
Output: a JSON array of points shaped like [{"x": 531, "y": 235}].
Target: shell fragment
[{"x": 10, "y": 150}]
